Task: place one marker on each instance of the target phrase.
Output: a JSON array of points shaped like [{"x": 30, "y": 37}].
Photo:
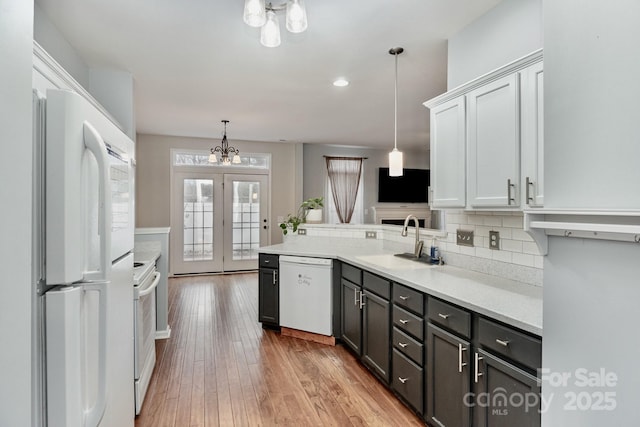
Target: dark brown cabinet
[
  {"x": 365, "y": 319},
  {"x": 351, "y": 319},
  {"x": 375, "y": 334},
  {"x": 448, "y": 392},
  {"x": 268, "y": 291},
  {"x": 506, "y": 395}
]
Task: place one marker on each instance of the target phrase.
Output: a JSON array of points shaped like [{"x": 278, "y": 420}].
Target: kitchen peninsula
[{"x": 403, "y": 318}]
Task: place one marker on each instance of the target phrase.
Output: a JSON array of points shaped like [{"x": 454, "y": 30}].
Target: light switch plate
[
  {"x": 494, "y": 240},
  {"x": 370, "y": 234},
  {"x": 302, "y": 231},
  {"x": 464, "y": 237}
]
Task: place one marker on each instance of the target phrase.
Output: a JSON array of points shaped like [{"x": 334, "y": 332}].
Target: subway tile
[
  {"x": 517, "y": 234},
  {"x": 511, "y": 245},
  {"x": 505, "y": 233},
  {"x": 476, "y": 220},
  {"x": 512, "y": 221},
  {"x": 482, "y": 231},
  {"x": 493, "y": 221},
  {"x": 504, "y": 256},
  {"x": 530, "y": 248},
  {"x": 466, "y": 250},
  {"x": 538, "y": 261},
  {"x": 484, "y": 253}
]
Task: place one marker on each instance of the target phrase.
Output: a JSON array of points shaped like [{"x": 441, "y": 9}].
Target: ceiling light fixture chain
[
  {"x": 395, "y": 156},
  {"x": 260, "y": 15},
  {"x": 224, "y": 150}
]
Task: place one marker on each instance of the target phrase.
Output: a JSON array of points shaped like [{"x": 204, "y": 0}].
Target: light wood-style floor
[{"x": 220, "y": 368}]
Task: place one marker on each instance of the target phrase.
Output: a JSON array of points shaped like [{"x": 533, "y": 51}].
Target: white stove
[{"x": 145, "y": 281}]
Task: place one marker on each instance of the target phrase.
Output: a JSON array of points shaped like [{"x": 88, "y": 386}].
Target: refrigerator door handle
[
  {"x": 94, "y": 414},
  {"x": 94, "y": 143}
]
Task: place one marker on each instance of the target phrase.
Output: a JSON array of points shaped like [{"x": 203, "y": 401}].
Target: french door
[{"x": 220, "y": 221}]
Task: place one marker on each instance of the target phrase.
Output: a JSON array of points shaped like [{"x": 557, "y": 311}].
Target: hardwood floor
[{"x": 220, "y": 368}]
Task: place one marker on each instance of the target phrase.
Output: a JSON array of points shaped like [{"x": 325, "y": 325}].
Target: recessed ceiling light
[{"x": 341, "y": 83}]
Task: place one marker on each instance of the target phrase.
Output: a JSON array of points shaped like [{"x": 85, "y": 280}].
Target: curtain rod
[{"x": 346, "y": 158}]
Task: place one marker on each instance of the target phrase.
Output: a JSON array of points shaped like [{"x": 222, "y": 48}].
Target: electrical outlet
[
  {"x": 494, "y": 240},
  {"x": 302, "y": 231},
  {"x": 370, "y": 234},
  {"x": 464, "y": 237}
]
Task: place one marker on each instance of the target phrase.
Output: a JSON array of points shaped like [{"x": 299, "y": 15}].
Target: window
[
  {"x": 344, "y": 176},
  {"x": 201, "y": 158}
]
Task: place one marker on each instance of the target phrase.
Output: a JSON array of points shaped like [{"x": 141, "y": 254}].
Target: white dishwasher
[{"x": 306, "y": 301}]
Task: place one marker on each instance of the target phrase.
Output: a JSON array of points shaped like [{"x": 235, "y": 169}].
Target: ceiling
[{"x": 195, "y": 62}]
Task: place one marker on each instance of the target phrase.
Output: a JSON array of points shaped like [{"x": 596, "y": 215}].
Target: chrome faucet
[{"x": 417, "y": 250}]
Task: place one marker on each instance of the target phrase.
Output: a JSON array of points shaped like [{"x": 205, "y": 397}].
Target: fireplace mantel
[{"x": 383, "y": 214}]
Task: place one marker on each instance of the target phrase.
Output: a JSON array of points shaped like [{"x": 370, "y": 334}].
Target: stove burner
[{"x": 138, "y": 264}]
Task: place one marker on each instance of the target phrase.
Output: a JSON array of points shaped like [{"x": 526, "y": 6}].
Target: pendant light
[
  {"x": 225, "y": 150},
  {"x": 395, "y": 156},
  {"x": 296, "y": 16},
  {"x": 270, "y": 31},
  {"x": 254, "y": 13}
]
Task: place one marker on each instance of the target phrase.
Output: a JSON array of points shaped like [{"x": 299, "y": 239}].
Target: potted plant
[
  {"x": 312, "y": 209},
  {"x": 291, "y": 223}
]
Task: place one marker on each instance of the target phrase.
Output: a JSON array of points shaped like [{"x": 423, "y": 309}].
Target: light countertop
[
  {"x": 515, "y": 303},
  {"x": 146, "y": 256}
]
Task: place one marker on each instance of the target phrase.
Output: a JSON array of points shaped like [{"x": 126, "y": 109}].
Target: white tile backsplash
[{"x": 518, "y": 257}]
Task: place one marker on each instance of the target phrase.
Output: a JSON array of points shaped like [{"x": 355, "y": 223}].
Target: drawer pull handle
[
  {"x": 404, "y": 298},
  {"x": 444, "y": 316},
  {"x": 478, "y": 373},
  {"x": 403, "y": 380},
  {"x": 402, "y": 344},
  {"x": 362, "y": 299},
  {"x": 356, "y": 301},
  {"x": 404, "y": 322},
  {"x": 460, "y": 364},
  {"x": 502, "y": 342}
]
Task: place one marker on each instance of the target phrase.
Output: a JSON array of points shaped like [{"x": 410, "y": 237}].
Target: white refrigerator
[{"x": 85, "y": 227}]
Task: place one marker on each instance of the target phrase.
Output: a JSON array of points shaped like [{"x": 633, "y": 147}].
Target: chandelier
[
  {"x": 256, "y": 14},
  {"x": 224, "y": 150}
]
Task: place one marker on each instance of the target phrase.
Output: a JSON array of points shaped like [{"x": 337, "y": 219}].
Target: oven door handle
[{"x": 151, "y": 287}]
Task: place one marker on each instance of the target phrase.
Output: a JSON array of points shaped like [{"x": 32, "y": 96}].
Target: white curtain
[{"x": 344, "y": 190}]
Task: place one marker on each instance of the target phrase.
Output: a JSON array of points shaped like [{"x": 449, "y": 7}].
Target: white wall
[
  {"x": 591, "y": 160},
  {"x": 16, "y": 41},
  {"x": 592, "y": 69},
  {"x": 153, "y": 176},
  {"x": 114, "y": 90},
  {"x": 509, "y": 31},
  {"x": 50, "y": 38},
  {"x": 315, "y": 169}
]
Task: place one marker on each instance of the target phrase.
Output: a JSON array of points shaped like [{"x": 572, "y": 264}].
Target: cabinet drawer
[
  {"x": 352, "y": 274},
  {"x": 408, "y": 380},
  {"x": 450, "y": 316},
  {"x": 506, "y": 341},
  {"x": 269, "y": 260},
  {"x": 406, "y": 345},
  {"x": 408, "y": 298},
  {"x": 408, "y": 322},
  {"x": 376, "y": 284}
]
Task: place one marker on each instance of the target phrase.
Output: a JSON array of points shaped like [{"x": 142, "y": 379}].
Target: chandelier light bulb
[
  {"x": 270, "y": 32},
  {"x": 254, "y": 13},
  {"x": 213, "y": 158},
  {"x": 296, "y": 16}
]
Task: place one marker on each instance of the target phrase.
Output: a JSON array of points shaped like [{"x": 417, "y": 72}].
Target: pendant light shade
[
  {"x": 395, "y": 156},
  {"x": 254, "y": 13},
  {"x": 395, "y": 162},
  {"x": 296, "y": 16},
  {"x": 270, "y": 32}
]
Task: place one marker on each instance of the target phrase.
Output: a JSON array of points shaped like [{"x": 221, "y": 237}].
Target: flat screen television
[{"x": 411, "y": 187}]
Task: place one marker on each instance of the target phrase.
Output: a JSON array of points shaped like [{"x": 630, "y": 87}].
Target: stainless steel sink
[{"x": 423, "y": 258}]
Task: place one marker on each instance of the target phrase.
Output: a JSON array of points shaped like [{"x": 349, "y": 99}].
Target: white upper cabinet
[
  {"x": 493, "y": 145},
  {"x": 487, "y": 140},
  {"x": 532, "y": 135},
  {"x": 448, "y": 128}
]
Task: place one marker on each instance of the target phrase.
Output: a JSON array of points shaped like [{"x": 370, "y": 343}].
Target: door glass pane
[
  {"x": 245, "y": 217},
  {"x": 198, "y": 220}
]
